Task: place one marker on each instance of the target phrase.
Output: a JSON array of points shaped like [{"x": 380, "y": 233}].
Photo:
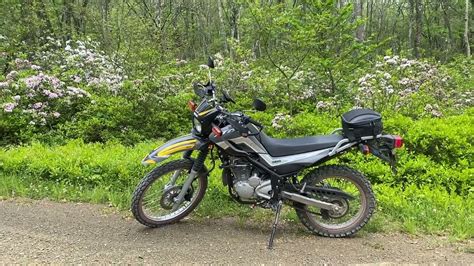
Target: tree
[
  {"x": 466, "y": 30},
  {"x": 358, "y": 13},
  {"x": 319, "y": 37}
]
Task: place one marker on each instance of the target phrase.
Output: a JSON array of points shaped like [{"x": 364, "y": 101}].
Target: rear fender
[
  {"x": 384, "y": 149},
  {"x": 181, "y": 144}
]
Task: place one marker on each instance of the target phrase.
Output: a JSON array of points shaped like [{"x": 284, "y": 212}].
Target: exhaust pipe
[{"x": 310, "y": 201}]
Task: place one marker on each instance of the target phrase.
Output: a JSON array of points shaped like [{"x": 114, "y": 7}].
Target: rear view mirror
[
  {"x": 226, "y": 97},
  {"x": 259, "y": 105},
  {"x": 210, "y": 62}
]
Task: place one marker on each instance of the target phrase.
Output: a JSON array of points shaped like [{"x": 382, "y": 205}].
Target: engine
[{"x": 248, "y": 182}]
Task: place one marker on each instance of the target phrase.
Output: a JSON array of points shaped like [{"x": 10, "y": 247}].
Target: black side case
[{"x": 360, "y": 123}]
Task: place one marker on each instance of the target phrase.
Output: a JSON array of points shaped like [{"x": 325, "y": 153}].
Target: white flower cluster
[
  {"x": 394, "y": 80},
  {"x": 83, "y": 58},
  {"x": 181, "y": 62},
  {"x": 324, "y": 105},
  {"x": 305, "y": 94},
  {"x": 464, "y": 99},
  {"x": 312, "y": 85},
  {"x": 433, "y": 110},
  {"x": 21, "y": 63},
  {"x": 279, "y": 119},
  {"x": 219, "y": 60}
]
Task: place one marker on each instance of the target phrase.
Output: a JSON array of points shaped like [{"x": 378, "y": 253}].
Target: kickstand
[{"x": 275, "y": 223}]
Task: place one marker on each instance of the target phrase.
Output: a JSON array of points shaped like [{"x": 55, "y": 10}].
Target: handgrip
[{"x": 255, "y": 122}]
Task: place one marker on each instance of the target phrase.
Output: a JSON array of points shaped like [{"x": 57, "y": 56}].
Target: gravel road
[{"x": 50, "y": 232}]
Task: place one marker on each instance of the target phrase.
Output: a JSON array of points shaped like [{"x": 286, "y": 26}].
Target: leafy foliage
[{"x": 108, "y": 173}]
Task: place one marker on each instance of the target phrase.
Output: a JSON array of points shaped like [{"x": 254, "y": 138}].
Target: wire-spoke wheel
[
  {"x": 351, "y": 215},
  {"x": 154, "y": 199}
]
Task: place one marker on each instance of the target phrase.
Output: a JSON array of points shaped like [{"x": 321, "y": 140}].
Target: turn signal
[
  {"x": 217, "y": 131},
  {"x": 192, "y": 105},
  {"x": 398, "y": 142}
]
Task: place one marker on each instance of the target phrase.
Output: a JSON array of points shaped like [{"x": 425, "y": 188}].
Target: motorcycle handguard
[{"x": 181, "y": 144}]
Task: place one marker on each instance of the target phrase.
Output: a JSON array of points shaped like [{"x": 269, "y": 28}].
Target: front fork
[{"x": 197, "y": 167}]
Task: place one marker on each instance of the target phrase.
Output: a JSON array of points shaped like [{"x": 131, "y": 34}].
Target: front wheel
[
  {"x": 154, "y": 198},
  {"x": 353, "y": 214}
]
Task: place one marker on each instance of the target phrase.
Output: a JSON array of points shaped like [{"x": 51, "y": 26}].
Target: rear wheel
[
  {"x": 154, "y": 197},
  {"x": 352, "y": 215}
]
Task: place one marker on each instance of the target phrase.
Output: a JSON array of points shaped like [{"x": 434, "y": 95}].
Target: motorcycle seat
[{"x": 285, "y": 147}]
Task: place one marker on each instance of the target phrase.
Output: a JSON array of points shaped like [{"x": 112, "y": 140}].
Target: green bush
[
  {"x": 449, "y": 140},
  {"x": 411, "y": 87},
  {"x": 427, "y": 209},
  {"x": 437, "y": 151},
  {"x": 108, "y": 173},
  {"x": 77, "y": 164}
]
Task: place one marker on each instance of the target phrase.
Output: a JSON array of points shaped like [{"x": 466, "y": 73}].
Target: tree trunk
[
  {"x": 341, "y": 3},
  {"x": 398, "y": 46},
  {"x": 415, "y": 26},
  {"x": 105, "y": 20},
  {"x": 370, "y": 8},
  {"x": 431, "y": 40},
  {"x": 83, "y": 16},
  {"x": 382, "y": 20},
  {"x": 222, "y": 31},
  {"x": 235, "y": 14},
  {"x": 447, "y": 24},
  {"x": 466, "y": 30},
  {"x": 418, "y": 27},
  {"x": 67, "y": 18},
  {"x": 358, "y": 13},
  {"x": 41, "y": 12},
  {"x": 158, "y": 13},
  {"x": 80, "y": 21}
]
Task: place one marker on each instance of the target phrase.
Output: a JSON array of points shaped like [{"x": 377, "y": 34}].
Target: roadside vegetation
[{"x": 85, "y": 95}]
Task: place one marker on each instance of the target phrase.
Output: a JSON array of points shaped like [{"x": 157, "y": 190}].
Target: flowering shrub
[
  {"x": 41, "y": 97},
  {"x": 73, "y": 90},
  {"x": 279, "y": 120},
  {"x": 81, "y": 62},
  {"x": 409, "y": 86},
  {"x": 54, "y": 85}
]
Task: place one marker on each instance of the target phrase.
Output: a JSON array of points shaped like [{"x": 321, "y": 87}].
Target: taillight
[
  {"x": 398, "y": 143},
  {"x": 192, "y": 105},
  {"x": 217, "y": 131}
]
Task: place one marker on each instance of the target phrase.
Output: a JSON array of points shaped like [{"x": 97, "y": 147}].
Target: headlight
[{"x": 197, "y": 125}]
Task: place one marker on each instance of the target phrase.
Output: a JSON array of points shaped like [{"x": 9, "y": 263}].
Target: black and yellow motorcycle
[{"x": 330, "y": 200}]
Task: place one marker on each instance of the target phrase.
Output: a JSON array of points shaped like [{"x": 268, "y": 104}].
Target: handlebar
[
  {"x": 237, "y": 119},
  {"x": 255, "y": 122},
  {"x": 240, "y": 121}
]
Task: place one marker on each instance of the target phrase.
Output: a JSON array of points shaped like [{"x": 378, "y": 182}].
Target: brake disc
[{"x": 167, "y": 200}]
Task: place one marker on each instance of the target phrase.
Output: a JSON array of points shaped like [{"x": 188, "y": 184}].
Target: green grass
[{"x": 108, "y": 173}]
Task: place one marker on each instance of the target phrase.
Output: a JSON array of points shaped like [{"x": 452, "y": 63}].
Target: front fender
[{"x": 184, "y": 143}]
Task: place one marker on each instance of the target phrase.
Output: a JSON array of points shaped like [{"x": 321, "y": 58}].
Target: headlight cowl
[{"x": 197, "y": 125}]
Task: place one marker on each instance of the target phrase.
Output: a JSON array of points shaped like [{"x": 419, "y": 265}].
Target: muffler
[{"x": 309, "y": 201}]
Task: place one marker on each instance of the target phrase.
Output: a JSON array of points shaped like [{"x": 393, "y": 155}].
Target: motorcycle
[{"x": 330, "y": 200}]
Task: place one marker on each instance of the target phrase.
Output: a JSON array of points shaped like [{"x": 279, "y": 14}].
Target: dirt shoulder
[{"x": 50, "y": 232}]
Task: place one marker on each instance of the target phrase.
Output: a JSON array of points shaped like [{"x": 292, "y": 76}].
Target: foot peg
[{"x": 277, "y": 208}]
